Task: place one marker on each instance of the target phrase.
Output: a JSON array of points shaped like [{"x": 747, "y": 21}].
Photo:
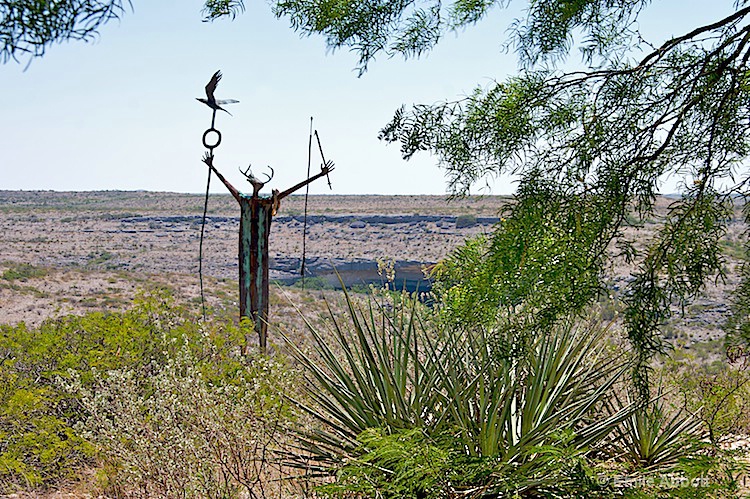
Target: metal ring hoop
[{"x": 205, "y": 137}]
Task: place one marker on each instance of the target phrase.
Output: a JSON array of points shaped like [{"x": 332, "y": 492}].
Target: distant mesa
[{"x": 443, "y": 221}]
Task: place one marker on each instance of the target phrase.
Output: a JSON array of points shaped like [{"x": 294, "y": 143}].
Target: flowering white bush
[{"x": 183, "y": 428}]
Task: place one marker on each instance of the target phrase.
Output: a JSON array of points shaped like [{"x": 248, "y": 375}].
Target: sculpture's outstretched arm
[
  {"x": 327, "y": 168},
  {"x": 209, "y": 160}
]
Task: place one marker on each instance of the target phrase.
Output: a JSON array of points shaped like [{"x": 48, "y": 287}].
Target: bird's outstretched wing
[
  {"x": 226, "y": 101},
  {"x": 211, "y": 87}
]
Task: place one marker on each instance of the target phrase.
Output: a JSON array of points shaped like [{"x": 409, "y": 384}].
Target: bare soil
[{"x": 98, "y": 249}]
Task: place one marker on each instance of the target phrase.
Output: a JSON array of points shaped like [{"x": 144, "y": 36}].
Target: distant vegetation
[
  {"x": 23, "y": 272},
  {"x": 465, "y": 221}
]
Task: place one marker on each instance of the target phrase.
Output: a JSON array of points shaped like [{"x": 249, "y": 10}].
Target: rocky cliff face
[
  {"x": 332, "y": 272},
  {"x": 329, "y": 270}
]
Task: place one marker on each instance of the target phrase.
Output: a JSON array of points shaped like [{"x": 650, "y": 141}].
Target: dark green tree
[
  {"x": 589, "y": 147},
  {"x": 29, "y": 27}
]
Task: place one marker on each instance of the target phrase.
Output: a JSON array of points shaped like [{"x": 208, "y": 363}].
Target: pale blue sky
[{"x": 121, "y": 114}]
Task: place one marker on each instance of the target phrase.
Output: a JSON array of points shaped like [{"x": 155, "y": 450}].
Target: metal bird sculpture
[{"x": 210, "y": 100}]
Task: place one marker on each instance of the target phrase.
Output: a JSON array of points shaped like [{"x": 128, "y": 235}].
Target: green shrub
[
  {"x": 718, "y": 394},
  {"x": 37, "y": 442},
  {"x": 313, "y": 282},
  {"x": 465, "y": 221},
  {"x": 172, "y": 431},
  {"x": 405, "y": 463},
  {"x": 23, "y": 271},
  {"x": 39, "y": 445},
  {"x": 41, "y": 419}
]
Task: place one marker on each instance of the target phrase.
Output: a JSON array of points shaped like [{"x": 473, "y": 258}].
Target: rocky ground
[
  {"x": 79, "y": 252},
  {"x": 160, "y": 232},
  {"x": 94, "y": 250}
]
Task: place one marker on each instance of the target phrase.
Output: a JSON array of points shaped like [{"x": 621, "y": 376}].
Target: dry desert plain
[
  {"x": 95, "y": 250},
  {"x": 73, "y": 252}
]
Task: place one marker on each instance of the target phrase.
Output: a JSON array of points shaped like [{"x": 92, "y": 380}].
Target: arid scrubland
[
  {"x": 91, "y": 251},
  {"x": 169, "y": 416},
  {"x": 76, "y": 252}
]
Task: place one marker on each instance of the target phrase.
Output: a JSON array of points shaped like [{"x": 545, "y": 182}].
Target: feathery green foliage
[
  {"x": 27, "y": 28},
  {"x": 592, "y": 146},
  {"x": 542, "y": 263}
]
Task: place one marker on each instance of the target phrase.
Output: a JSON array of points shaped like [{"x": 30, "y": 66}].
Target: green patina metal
[
  {"x": 255, "y": 227},
  {"x": 256, "y": 215}
]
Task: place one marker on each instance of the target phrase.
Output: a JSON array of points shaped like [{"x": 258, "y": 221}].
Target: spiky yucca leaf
[
  {"x": 383, "y": 370},
  {"x": 372, "y": 375},
  {"x": 650, "y": 438},
  {"x": 512, "y": 405}
]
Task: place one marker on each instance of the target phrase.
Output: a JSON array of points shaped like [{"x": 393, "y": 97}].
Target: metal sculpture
[
  {"x": 210, "y": 100},
  {"x": 256, "y": 214}
]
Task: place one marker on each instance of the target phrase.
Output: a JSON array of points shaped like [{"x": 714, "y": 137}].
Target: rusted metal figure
[{"x": 256, "y": 214}]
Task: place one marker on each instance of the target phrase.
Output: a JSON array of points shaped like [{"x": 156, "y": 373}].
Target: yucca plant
[
  {"x": 526, "y": 413},
  {"x": 515, "y": 404},
  {"x": 497, "y": 423},
  {"x": 377, "y": 373},
  {"x": 650, "y": 438}
]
